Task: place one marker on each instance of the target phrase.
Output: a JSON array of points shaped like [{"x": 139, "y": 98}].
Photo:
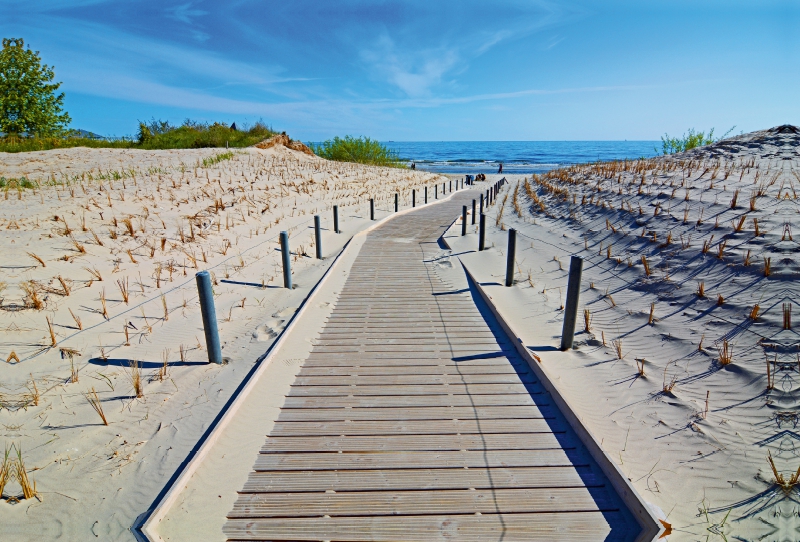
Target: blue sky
[{"x": 422, "y": 71}]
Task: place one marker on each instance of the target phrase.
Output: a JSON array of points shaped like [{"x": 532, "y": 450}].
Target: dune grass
[{"x": 361, "y": 150}]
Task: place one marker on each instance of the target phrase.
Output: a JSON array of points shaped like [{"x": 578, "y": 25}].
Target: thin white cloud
[{"x": 184, "y": 13}]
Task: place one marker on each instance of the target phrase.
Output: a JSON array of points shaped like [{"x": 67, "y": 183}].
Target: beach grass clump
[
  {"x": 689, "y": 140},
  {"x": 785, "y": 485},
  {"x": 361, "y": 150}
]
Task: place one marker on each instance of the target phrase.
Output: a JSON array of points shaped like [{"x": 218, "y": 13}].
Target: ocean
[{"x": 470, "y": 157}]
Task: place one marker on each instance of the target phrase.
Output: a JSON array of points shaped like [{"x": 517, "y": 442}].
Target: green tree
[{"x": 28, "y": 103}]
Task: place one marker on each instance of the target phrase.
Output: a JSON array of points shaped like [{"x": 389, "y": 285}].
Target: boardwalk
[{"x": 414, "y": 419}]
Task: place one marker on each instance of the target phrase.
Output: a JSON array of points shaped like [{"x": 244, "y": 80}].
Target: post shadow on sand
[{"x": 126, "y": 362}]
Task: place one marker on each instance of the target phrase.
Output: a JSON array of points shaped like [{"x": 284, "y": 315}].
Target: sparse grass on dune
[{"x": 361, "y": 150}]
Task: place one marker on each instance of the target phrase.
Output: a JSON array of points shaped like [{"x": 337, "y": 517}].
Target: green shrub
[
  {"x": 362, "y": 150},
  {"x": 690, "y": 140},
  {"x": 192, "y": 135}
]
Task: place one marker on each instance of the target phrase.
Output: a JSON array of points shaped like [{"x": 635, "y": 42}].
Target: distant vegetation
[
  {"x": 156, "y": 134},
  {"x": 690, "y": 140},
  {"x": 361, "y": 150}
]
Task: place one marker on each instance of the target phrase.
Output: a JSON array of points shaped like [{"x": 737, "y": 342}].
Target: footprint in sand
[{"x": 267, "y": 331}]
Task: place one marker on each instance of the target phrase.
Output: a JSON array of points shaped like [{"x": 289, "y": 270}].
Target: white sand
[
  {"x": 94, "y": 480},
  {"x": 685, "y": 459}
]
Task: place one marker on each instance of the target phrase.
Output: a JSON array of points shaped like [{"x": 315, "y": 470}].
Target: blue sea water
[{"x": 470, "y": 157}]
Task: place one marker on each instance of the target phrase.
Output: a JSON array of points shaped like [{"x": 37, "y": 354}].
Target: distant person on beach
[
  {"x": 413, "y": 165},
  {"x": 501, "y": 168}
]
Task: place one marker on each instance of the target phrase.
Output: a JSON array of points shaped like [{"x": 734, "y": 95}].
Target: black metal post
[
  {"x": 451, "y": 186},
  {"x": 463, "y": 220},
  {"x": 209, "y": 314},
  {"x": 512, "y": 252},
  {"x": 318, "y": 237},
  {"x": 371, "y": 209},
  {"x": 287, "y": 262},
  {"x": 396, "y": 201},
  {"x": 413, "y": 197},
  {"x": 482, "y": 203},
  {"x": 336, "y": 219},
  {"x": 436, "y": 191},
  {"x": 473, "y": 212},
  {"x": 482, "y": 237},
  {"x": 426, "y": 194},
  {"x": 571, "y": 309}
]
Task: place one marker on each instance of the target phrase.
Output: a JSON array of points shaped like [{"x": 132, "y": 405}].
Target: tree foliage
[{"x": 28, "y": 101}]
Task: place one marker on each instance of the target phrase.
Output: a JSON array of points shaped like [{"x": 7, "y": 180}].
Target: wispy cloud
[
  {"x": 414, "y": 72},
  {"x": 184, "y": 13}
]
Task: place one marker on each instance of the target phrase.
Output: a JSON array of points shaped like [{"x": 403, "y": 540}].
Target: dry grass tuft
[
  {"x": 787, "y": 316},
  {"x": 785, "y": 485},
  {"x": 651, "y": 318},
  {"x": 162, "y": 371},
  {"x": 28, "y": 490},
  {"x": 617, "y": 344},
  {"x": 123, "y": 289},
  {"x": 95, "y": 274},
  {"x": 32, "y": 298},
  {"x": 646, "y": 265},
  {"x": 94, "y": 401},
  {"x": 754, "y": 312},
  {"x": 767, "y": 266},
  {"x": 587, "y": 320},
  {"x": 667, "y": 387},
  {"x": 53, "y": 341},
  {"x": 135, "y": 377},
  {"x": 725, "y": 353},
  {"x": 701, "y": 289}
]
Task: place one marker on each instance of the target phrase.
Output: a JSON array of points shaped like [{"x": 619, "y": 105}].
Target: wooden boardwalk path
[{"x": 413, "y": 418}]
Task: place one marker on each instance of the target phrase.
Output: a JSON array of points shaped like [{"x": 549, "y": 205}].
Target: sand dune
[
  {"x": 687, "y": 367},
  {"x": 98, "y": 276}
]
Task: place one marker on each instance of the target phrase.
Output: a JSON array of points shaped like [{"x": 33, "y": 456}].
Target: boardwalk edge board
[
  {"x": 651, "y": 527},
  {"x": 145, "y": 527}
]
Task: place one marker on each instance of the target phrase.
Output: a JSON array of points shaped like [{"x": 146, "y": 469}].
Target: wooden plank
[
  {"x": 414, "y": 413},
  {"x": 508, "y": 528},
  {"x": 391, "y": 380},
  {"x": 419, "y": 443},
  {"x": 422, "y": 479},
  {"x": 385, "y": 370},
  {"x": 409, "y": 503},
  {"x": 383, "y": 401},
  {"x": 412, "y": 389},
  {"x": 557, "y": 457},
  {"x": 416, "y": 427}
]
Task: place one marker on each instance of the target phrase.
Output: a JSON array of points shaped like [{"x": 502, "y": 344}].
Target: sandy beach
[
  {"x": 685, "y": 366},
  {"x": 99, "y": 297},
  {"x": 686, "y": 361}
]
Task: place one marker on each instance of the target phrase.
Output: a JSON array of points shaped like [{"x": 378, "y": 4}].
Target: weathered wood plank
[
  {"x": 520, "y": 412},
  {"x": 419, "y": 443},
  {"x": 416, "y": 427},
  {"x": 558, "y": 457},
  {"x": 413, "y": 389},
  {"x": 409, "y": 503},
  {"x": 508, "y": 528},
  {"x": 422, "y": 479}
]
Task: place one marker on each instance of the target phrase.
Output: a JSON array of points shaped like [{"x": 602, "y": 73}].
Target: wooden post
[
  {"x": 287, "y": 262},
  {"x": 482, "y": 237},
  {"x": 436, "y": 191},
  {"x": 318, "y": 237},
  {"x": 571, "y": 309},
  {"x": 209, "y": 314},
  {"x": 396, "y": 201},
  {"x": 413, "y": 197},
  {"x": 473, "y": 212},
  {"x": 426, "y": 194},
  {"x": 371, "y": 209},
  {"x": 463, "y": 220},
  {"x": 512, "y": 250},
  {"x": 336, "y": 219}
]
